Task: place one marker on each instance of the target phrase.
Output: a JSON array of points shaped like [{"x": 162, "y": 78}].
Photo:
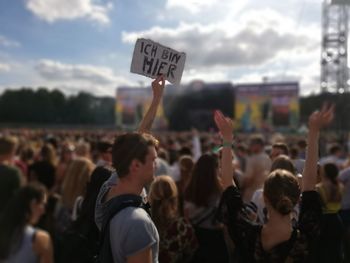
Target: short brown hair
[
  {"x": 283, "y": 162},
  {"x": 257, "y": 139},
  {"x": 281, "y": 146},
  {"x": 128, "y": 147},
  {"x": 282, "y": 190},
  {"x": 7, "y": 145}
]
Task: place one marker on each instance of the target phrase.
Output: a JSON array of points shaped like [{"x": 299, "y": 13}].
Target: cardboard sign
[{"x": 152, "y": 59}]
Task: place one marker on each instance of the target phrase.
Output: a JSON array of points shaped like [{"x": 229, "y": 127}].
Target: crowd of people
[{"x": 73, "y": 196}]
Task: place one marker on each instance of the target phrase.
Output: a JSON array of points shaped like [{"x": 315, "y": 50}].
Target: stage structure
[
  {"x": 132, "y": 104},
  {"x": 334, "y": 53},
  {"x": 267, "y": 106}
]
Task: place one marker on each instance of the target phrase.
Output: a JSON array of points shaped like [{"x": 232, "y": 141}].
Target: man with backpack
[{"x": 128, "y": 232}]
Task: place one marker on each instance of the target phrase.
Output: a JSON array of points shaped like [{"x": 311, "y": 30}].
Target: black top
[
  {"x": 246, "y": 234},
  {"x": 10, "y": 181}
]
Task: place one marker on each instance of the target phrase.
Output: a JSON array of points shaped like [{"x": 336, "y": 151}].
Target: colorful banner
[
  {"x": 266, "y": 106},
  {"x": 131, "y": 106}
]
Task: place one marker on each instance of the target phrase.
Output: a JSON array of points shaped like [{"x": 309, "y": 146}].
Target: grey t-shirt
[{"x": 131, "y": 230}]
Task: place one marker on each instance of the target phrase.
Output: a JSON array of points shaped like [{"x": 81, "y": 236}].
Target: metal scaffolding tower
[{"x": 334, "y": 54}]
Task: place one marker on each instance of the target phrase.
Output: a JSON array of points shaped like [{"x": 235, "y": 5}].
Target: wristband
[
  {"x": 216, "y": 149},
  {"x": 227, "y": 144}
]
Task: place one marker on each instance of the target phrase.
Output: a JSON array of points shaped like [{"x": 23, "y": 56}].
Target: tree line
[
  {"x": 194, "y": 108},
  {"x": 41, "y": 106}
]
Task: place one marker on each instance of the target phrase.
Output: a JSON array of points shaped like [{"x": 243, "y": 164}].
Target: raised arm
[
  {"x": 196, "y": 145},
  {"x": 317, "y": 121},
  {"x": 147, "y": 121},
  {"x": 225, "y": 127}
]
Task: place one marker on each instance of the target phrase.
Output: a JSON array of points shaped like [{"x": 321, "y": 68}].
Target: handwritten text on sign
[{"x": 152, "y": 59}]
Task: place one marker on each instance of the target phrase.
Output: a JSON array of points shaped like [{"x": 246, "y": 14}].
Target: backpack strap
[{"x": 118, "y": 204}]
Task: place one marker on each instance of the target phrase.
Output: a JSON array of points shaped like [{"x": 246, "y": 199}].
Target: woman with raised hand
[
  {"x": 19, "y": 240},
  {"x": 280, "y": 162},
  {"x": 201, "y": 200},
  {"x": 277, "y": 240}
]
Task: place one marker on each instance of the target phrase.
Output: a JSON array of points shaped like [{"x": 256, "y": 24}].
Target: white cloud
[
  {"x": 244, "y": 48},
  {"x": 207, "y": 75},
  {"x": 54, "y": 70},
  {"x": 4, "y": 67},
  {"x": 53, "y": 10},
  {"x": 193, "y": 6},
  {"x": 6, "y": 42},
  {"x": 98, "y": 80},
  {"x": 212, "y": 45},
  {"x": 201, "y": 10}
]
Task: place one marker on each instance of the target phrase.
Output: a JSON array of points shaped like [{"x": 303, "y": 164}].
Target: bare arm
[
  {"x": 225, "y": 127},
  {"x": 43, "y": 247},
  {"x": 144, "y": 256},
  {"x": 317, "y": 121},
  {"x": 147, "y": 121},
  {"x": 196, "y": 145}
]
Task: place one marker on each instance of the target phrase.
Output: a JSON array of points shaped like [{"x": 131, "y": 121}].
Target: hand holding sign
[
  {"x": 158, "y": 87},
  {"x": 152, "y": 60}
]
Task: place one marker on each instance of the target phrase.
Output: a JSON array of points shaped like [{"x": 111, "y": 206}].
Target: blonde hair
[
  {"x": 76, "y": 178},
  {"x": 48, "y": 153},
  {"x": 163, "y": 197}
]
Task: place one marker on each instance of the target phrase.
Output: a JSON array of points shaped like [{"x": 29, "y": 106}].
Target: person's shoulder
[
  {"x": 9, "y": 168},
  {"x": 105, "y": 188},
  {"x": 42, "y": 246},
  {"x": 326, "y": 159},
  {"x": 10, "y": 171},
  {"x": 345, "y": 173},
  {"x": 259, "y": 158},
  {"x": 42, "y": 241},
  {"x": 136, "y": 213},
  {"x": 130, "y": 216},
  {"x": 132, "y": 222}
]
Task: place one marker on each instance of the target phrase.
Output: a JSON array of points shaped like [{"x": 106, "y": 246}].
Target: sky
[{"x": 87, "y": 45}]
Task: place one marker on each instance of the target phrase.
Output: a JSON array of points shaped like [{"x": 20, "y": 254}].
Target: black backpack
[{"x": 79, "y": 243}]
